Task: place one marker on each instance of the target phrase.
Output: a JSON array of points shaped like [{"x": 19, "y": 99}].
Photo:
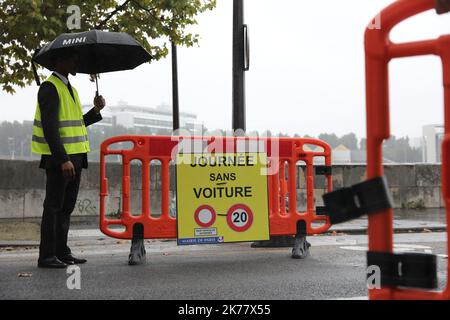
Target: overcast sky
[{"x": 306, "y": 74}]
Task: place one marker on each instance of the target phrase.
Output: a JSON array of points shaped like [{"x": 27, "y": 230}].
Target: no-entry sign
[{"x": 222, "y": 198}]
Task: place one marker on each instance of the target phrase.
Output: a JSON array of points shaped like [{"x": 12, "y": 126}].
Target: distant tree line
[
  {"x": 394, "y": 149},
  {"x": 15, "y": 140}
]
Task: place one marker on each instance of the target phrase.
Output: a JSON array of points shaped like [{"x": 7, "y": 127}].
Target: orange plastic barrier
[
  {"x": 282, "y": 221},
  {"x": 379, "y": 51}
]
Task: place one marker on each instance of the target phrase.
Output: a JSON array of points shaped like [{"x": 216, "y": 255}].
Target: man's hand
[
  {"x": 68, "y": 170},
  {"x": 99, "y": 103}
]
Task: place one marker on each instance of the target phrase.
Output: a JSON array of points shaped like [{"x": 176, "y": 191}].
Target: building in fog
[
  {"x": 341, "y": 154},
  {"x": 433, "y": 135},
  {"x": 154, "y": 119}
]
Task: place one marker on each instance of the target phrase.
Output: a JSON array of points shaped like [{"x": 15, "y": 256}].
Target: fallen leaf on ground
[
  {"x": 24, "y": 275},
  {"x": 121, "y": 242},
  {"x": 427, "y": 230},
  {"x": 335, "y": 233}
]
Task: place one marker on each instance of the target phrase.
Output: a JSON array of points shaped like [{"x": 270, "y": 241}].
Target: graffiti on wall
[{"x": 86, "y": 207}]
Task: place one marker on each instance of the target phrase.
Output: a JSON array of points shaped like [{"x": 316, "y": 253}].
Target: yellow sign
[{"x": 222, "y": 198}]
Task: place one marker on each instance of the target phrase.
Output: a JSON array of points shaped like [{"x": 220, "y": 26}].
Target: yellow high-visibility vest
[{"x": 72, "y": 130}]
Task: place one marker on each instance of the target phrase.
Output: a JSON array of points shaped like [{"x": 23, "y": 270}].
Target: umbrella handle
[
  {"x": 36, "y": 76},
  {"x": 33, "y": 66},
  {"x": 96, "y": 83}
]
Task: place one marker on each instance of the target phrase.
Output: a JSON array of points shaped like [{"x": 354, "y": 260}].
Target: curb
[
  {"x": 360, "y": 231},
  {"x": 338, "y": 232}
]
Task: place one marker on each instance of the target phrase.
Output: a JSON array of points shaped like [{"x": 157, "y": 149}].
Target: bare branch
[
  {"x": 112, "y": 14},
  {"x": 149, "y": 10}
]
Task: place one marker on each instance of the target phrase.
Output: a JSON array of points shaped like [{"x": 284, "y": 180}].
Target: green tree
[
  {"x": 399, "y": 150},
  {"x": 331, "y": 139},
  {"x": 350, "y": 141},
  {"x": 29, "y": 24},
  {"x": 267, "y": 134},
  {"x": 363, "y": 144},
  {"x": 283, "y": 135}
]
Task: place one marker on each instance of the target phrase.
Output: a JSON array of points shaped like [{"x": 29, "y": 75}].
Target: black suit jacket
[{"x": 49, "y": 107}]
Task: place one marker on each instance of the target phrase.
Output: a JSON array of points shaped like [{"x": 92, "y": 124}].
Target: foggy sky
[{"x": 306, "y": 71}]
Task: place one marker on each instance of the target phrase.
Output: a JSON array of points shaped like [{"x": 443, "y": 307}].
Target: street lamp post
[
  {"x": 240, "y": 65},
  {"x": 175, "y": 100}
]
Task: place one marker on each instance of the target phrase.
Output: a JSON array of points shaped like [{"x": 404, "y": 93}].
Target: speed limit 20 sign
[
  {"x": 222, "y": 198},
  {"x": 240, "y": 217}
]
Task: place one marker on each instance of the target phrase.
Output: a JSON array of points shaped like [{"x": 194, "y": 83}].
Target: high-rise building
[
  {"x": 153, "y": 119},
  {"x": 433, "y": 135}
]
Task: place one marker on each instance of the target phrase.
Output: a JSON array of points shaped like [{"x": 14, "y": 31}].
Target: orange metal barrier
[
  {"x": 379, "y": 51},
  {"x": 147, "y": 148}
]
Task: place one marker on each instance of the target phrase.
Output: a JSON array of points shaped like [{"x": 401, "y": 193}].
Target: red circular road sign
[
  {"x": 205, "y": 216},
  {"x": 239, "y": 217}
]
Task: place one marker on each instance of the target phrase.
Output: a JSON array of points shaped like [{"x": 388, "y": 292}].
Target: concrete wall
[
  {"x": 412, "y": 186},
  {"x": 22, "y": 187}
]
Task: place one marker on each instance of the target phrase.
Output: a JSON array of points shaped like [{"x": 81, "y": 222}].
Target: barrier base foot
[
  {"x": 137, "y": 251},
  {"x": 275, "y": 242},
  {"x": 301, "y": 248}
]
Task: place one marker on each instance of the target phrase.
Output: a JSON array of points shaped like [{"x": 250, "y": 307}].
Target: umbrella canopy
[{"x": 99, "y": 51}]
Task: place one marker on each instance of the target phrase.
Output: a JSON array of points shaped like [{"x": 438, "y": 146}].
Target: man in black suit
[{"x": 63, "y": 169}]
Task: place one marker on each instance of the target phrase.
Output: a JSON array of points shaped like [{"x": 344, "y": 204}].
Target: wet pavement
[
  {"x": 334, "y": 270},
  {"x": 405, "y": 220}
]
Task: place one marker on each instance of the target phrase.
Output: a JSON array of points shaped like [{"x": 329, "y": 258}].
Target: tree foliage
[
  {"x": 17, "y": 139},
  {"x": 330, "y": 138},
  {"x": 350, "y": 141},
  {"x": 399, "y": 150},
  {"x": 28, "y": 24}
]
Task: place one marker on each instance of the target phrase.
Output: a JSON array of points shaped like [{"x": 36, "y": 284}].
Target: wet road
[{"x": 335, "y": 270}]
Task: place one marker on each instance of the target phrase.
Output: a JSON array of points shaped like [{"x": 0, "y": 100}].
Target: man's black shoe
[
  {"x": 70, "y": 259},
  {"x": 52, "y": 263}
]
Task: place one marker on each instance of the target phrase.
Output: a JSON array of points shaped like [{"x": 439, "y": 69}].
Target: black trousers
[{"x": 60, "y": 199}]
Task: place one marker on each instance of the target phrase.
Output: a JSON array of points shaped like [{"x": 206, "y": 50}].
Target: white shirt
[{"x": 63, "y": 79}]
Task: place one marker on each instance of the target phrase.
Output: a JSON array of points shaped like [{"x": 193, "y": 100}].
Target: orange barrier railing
[
  {"x": 379, "y": 51},
  {"x": 284, "y": 217}
]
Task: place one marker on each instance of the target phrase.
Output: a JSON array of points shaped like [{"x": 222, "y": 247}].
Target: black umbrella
[{"x": 99, "y": 51}]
